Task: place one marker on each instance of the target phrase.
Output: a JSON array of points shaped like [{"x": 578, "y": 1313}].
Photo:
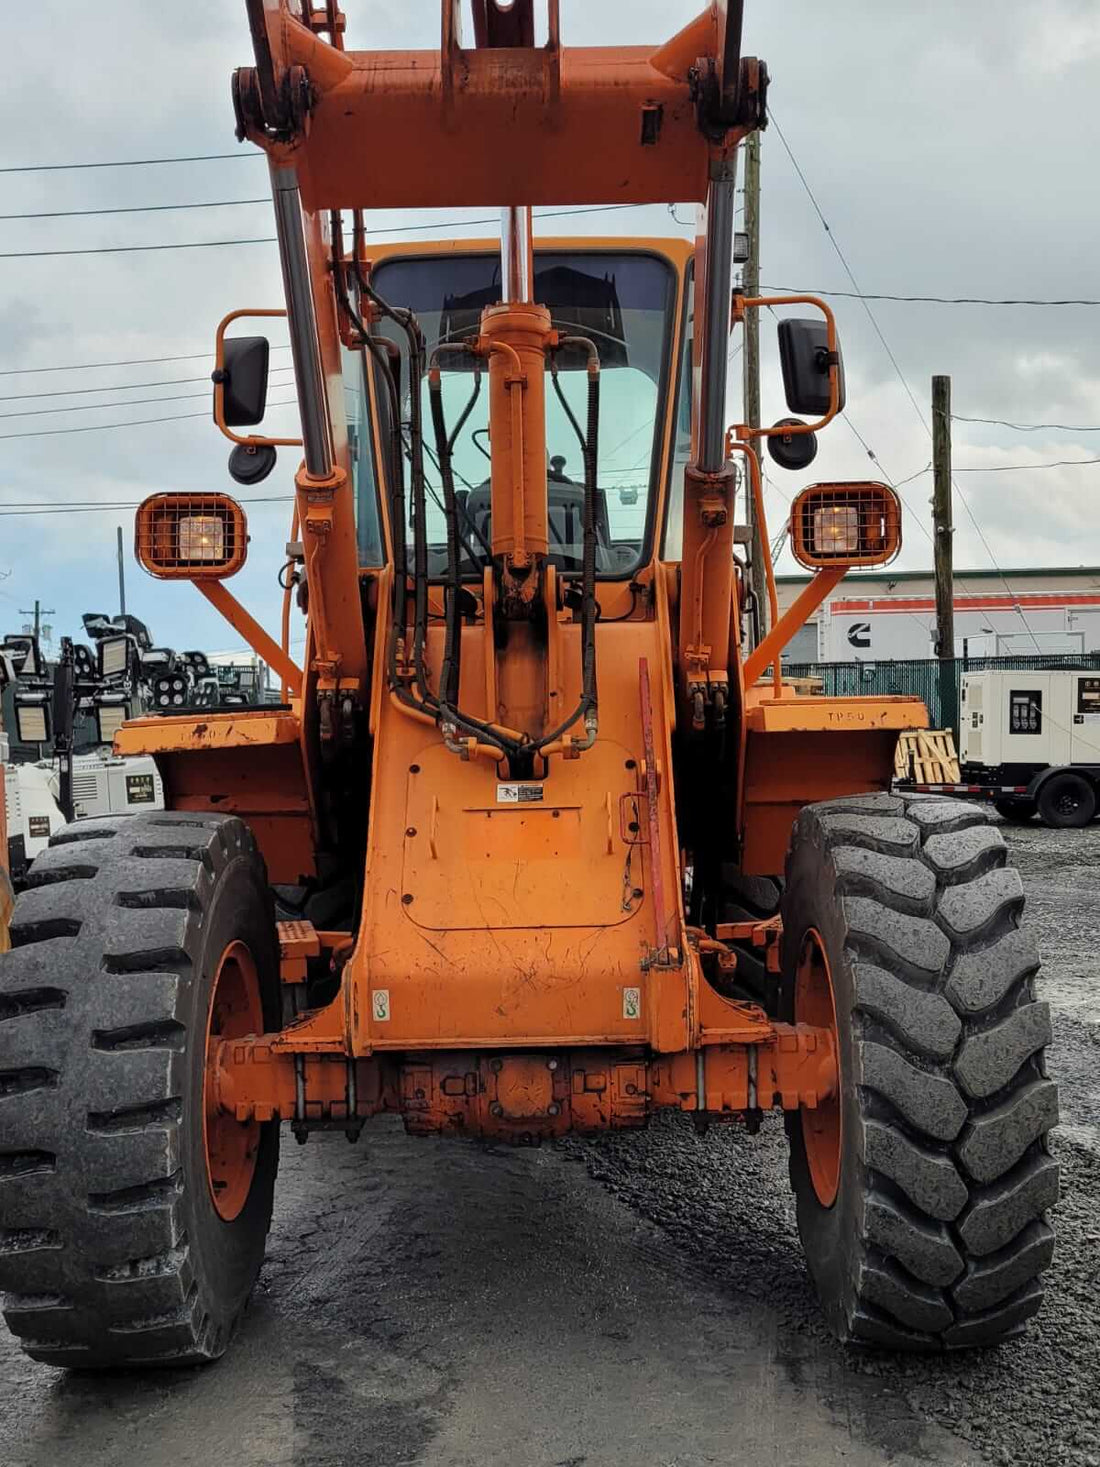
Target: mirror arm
[
  {"x": 253, "y": 440},
  {"x": 740, "y": 304}
]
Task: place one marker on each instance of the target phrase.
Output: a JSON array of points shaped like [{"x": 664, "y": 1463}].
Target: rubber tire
[
  {"x": 111, "y": 1251},
  {"x": 1016, "y": 812},
  {"x": 1058, "y": 786},
  {"x": 751, "y": 899},
  {"x": 939, "y": 1231}
]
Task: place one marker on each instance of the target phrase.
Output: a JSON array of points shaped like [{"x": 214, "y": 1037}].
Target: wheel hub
[
  {"x": 814, "y": 1003},
  {"x": 231, "y": 1145}
]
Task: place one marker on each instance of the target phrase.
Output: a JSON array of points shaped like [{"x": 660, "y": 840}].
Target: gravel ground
[{"x": 636, "y": 1301}]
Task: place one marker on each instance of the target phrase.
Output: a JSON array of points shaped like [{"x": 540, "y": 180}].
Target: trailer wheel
[
  {"x": 1016, "y": 811},
  {"x": 922, "y": 1186},
  {"x": 1066, "y": 801},
  {"x": 132, "y": 1223}
]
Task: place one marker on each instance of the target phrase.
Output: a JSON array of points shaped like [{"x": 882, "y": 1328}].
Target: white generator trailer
[
  {"x": 102, "y": 785},
  {"x": 1030, "y": 743}
]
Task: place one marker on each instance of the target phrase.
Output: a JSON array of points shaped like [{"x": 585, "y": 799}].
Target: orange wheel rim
[
  {"x": 815, "y": 1004},
  {"x": 231, "y": 1145}
]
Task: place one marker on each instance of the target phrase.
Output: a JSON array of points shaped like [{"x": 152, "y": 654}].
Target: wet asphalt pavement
[{"x": 636, "y": 1301}]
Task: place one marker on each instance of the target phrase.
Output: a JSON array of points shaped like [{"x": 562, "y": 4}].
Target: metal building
[{"x": 892, "y": 615}]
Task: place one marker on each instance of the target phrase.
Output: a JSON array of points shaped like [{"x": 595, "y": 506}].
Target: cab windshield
[{"x": 624, "y": 302}]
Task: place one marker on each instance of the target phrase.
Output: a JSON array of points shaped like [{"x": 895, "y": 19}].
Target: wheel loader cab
[
  {"x": 629, "y": 301},
  {"x": 527, "y": 802}
]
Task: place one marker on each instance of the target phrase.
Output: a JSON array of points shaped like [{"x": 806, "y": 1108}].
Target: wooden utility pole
[
  {"x": 38, "y": 613},
  {"x": 943, "y": 531},
  {"x": 751, "y": 287}
]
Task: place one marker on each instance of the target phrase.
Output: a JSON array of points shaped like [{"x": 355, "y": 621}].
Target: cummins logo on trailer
[{"x": 859, "y": 634}]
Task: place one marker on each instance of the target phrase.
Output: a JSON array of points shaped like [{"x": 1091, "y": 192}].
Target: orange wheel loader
[{"x": 538, "y": 839}]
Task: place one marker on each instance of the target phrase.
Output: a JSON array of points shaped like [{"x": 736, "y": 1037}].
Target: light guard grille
[
  {"x": 845, "y": 524},
  {"x": 191, "y": 536}
]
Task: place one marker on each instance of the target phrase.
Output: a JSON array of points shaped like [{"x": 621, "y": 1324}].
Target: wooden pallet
[
  {"x": 805, "y": 687},
  {"x": 927, "y": 756}
]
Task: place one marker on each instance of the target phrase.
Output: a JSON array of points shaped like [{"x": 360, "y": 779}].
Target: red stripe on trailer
[{"x": 1041, "y": 601}]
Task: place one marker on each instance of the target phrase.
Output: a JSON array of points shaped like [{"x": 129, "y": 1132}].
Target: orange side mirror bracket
[{"x": 219, "y": 377}]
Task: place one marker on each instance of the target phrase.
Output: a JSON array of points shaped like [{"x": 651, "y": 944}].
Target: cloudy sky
[{"x": 951, "y": 147}]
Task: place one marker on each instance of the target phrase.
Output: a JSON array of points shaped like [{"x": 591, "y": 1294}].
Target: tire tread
[{"x": 949, "y": 1045}]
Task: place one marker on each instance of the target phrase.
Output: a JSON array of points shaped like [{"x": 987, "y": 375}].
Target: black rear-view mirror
[
  {"x": 244, "y": 380},
  {"x": 805, "y": 357}
]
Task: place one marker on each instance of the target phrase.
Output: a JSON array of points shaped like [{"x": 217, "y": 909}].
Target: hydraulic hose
[
  {"x": 407, "y": 322},
  {"x": 449, "y": 713},
  {"x": 588, "y": 706},
  {"x": 444, "y": 447}
]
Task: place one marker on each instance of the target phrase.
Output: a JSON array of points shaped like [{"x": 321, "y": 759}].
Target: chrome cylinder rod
[
  {"x": 517, "y": 269},
  {"x": 305, "y": 349},
  {"x": 716, "y": 317}
]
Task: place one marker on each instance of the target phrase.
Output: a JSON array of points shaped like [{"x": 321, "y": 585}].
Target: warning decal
[{"x": 519, "y": 794}]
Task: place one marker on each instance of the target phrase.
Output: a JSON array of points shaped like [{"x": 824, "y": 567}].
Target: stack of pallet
[{"x": 927, "y": 756}]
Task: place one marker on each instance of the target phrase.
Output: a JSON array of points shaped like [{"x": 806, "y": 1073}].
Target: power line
[
  {"x": 95, "y": 407},
  {"x": 1029, "y": 427},
  {"x": 86, "y": 507},
  {"x": 921, "y": 300},
  {"x": 894, "y": 363},
  {"x": 919, "y": 474},
  {"x": 197, "y": 244},
  {"x": 137, "y": 423},
  {"x": 132, "y": 362},
  {"x": 117, "y": 387},
  {"x": 896, "y": 485},
  {"x": 136, "y": 209},
  {"x": 1057, "y": 463},
  {"x": 211, "y": 244},
  {"x": 848, "y": 271},
  {"x": 127, "y": 163}
]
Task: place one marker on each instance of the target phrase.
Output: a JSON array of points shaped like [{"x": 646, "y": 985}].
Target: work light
[
  {"x": 84, "y": 662},
  {"x": 110, "y": 711},
  {"x": 25, "y": 654},
  {"x": 201, "y": 538},
  {"x": 207, "y": 693},
  {"x": 196, "y": 664},
  {"x": 171, "y": 691},
  {"x": 158, "y": 659},
  {"x": 836, "y": 529},
  {"x": 32, "y": 716},
  {"x": 845, "y": 524},
  {"x": 180, "y": 536},
  {"x": 115, "y": 656}
]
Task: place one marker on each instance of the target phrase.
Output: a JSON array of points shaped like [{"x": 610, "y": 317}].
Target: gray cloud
[{"x": 951, "y": 148}]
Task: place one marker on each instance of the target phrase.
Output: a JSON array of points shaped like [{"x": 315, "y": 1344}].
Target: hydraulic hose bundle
[{"x": 442, "y": 708}]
